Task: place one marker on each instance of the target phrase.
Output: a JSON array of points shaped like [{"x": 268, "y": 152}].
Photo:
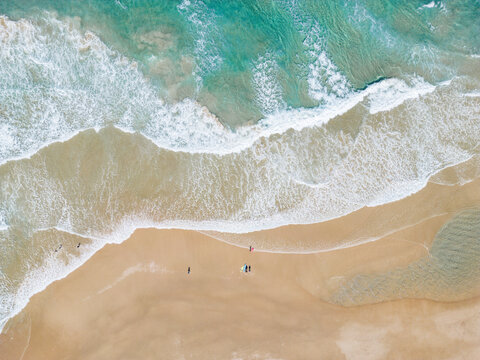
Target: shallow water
[
  {"x": 449, "y": 272},
  {"x": 224, "y": 116}
]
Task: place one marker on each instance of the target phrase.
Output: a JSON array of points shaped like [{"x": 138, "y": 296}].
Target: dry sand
[{"x": 136, "y": 301}]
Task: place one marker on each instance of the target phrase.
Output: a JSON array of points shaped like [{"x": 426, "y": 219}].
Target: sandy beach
[
  {"x": 147, "y": 147},
  {"x": 135, "y": 300}
]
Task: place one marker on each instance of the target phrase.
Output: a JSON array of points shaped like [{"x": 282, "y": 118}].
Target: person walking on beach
[
  {"x": 249, "y": 268},
  {"x": 188, "y": 271}
]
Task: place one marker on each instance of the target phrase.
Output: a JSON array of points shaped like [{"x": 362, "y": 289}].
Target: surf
[{"x": 184, "y": 122}]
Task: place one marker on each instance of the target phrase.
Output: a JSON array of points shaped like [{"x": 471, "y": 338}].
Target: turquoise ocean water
[
  {"x": 246, "y": 59},
  {"x": 230, "y": 116}
]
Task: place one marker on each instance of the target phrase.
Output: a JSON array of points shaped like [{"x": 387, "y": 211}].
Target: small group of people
[{"x": 246, "y": 268}]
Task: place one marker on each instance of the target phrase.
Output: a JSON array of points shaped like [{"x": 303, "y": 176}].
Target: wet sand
[
  {"x": 135, "y": 300},
  {"x": 366, "y": 224}
]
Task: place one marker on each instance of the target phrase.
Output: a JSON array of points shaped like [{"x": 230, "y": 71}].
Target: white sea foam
[
  {"x": 326, "y": 83},
  {"x": 399, "y": 163},
  {"x": 130, "y": 103},
  {"x": 269, "y": 92},
  {"x": 473, "y": 94},
  {"x": 434, "y": 4},
  {"x": 204, "y": 30},
  {"x": 393, "y": 92},
  {"x": 428, "y": 6}
]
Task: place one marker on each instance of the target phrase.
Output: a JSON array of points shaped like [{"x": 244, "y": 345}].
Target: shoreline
[
  {"x": 367, "y": 224},
  {"x": 435, "y": 201},
  {"x": 136, "y": 299}
]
